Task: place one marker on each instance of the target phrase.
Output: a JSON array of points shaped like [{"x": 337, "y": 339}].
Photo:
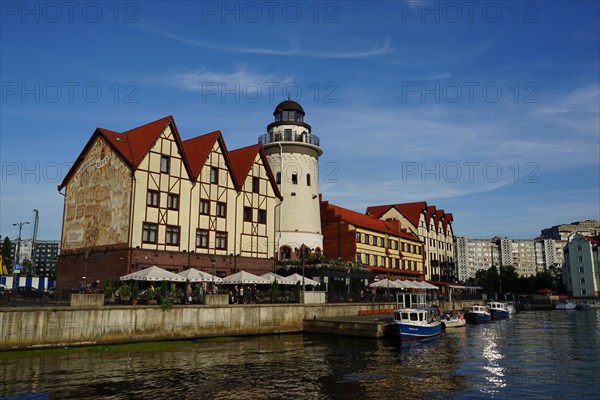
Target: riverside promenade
[{"x": 27, "y": 328}]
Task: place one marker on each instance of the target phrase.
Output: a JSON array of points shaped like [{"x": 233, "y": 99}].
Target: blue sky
[{"x": 488, "y": 110}]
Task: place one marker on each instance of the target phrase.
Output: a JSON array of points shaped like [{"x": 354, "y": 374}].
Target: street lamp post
[{"x": 20, "y": 225}]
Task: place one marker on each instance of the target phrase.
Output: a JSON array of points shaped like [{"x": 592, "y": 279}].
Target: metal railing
[{"x": 302, "y": 137}]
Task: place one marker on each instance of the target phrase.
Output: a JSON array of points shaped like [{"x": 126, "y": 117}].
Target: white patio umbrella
[
  {"x": 412, "y": 285},
  {"x": 153, "y": 273},
  {"x": 384, "y": 283},
  {"x": 298, "y": 278},
  {"x": 430, "y": 286},
  {"x": 194, "y": 275},
  {"x": 244, "y": 278},
  {"x": 282, "y": 280}
]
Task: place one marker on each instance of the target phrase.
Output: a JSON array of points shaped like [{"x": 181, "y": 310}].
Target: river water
[{"x": 533, "y": 355}]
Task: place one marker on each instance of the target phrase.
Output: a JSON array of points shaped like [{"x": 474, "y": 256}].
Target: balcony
[{"x": 303, "y": 137}]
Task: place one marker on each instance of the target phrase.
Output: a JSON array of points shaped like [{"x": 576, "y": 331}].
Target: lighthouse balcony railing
[{"x": 304, "y": 137}]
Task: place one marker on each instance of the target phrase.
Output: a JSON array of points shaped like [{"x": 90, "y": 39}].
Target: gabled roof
[
  {"x": 132, "y": 145},
  {"x": 242, "y": 160},
  {"x": 448, "y": 218},
  {"x": 430, "y": 214},
  {"x": 143, "y": 137},
  {"x": 197, "y": 150},
  {"x": 412, "y": 211},
  {"x": 362, "y": 220}
]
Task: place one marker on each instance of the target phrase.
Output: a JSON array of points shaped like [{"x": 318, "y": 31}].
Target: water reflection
[
  {"x": 535, "y": 355},
  {"x": 491, "y": 354}
]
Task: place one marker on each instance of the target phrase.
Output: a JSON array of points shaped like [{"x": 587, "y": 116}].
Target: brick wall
[{"x": 96, "y": 264}]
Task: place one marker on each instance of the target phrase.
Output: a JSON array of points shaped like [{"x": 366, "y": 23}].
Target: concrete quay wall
[{"x": 22, "y": 328}]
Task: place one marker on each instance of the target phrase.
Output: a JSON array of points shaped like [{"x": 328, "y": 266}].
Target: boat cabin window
[{"x": 413, "y": 317}]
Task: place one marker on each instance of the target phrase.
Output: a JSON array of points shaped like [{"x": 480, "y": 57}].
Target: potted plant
[
  {"x": 151, "y": 293},
  {"x": 109, "y": 290},
  {"x": 135, "y": 292},
  {"x": 125, "y": 292}
]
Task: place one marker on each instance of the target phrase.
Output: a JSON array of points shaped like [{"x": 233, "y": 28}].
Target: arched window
[
  {"x": 286, "y": 252},
  {"x": 307, "y": 179}
]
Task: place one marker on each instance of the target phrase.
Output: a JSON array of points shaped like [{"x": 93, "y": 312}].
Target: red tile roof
[
  {"x": 143, "y": 137},
  {"x": 592, "y": 239},
  {"x": 132, "y": 145},
  {"x": 198, "y": 149},
  {"x": 361, "y": 220},
  {"x": 242, "y": 161},
  {"x": 412, "y": 211}
]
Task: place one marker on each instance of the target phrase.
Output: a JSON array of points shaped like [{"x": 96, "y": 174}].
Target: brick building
[
  {"x": 146, "y": 197},
  {"x": 382, "y": 246}
]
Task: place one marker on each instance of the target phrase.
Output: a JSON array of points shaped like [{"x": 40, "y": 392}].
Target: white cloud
[{"x": 295, "y": 48}]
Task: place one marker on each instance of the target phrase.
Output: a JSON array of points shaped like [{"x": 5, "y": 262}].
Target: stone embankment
[{"x": 22, "y": 328}]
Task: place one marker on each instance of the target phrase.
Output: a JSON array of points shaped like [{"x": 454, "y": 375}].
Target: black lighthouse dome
[
  {"x": 289, "y": 105},
  {"x": 289, "y": 112}
]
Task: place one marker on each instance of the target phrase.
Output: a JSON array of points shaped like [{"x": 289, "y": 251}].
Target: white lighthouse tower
[{"x": 293, "y": 153}]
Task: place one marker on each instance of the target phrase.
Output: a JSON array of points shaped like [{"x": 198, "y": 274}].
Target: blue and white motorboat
[
  {"x": 416, "y": 323},
  {"x": 565, "y": 305},
  {"x": 477, "y": 313},
  {"x": 498, "y": 310}
]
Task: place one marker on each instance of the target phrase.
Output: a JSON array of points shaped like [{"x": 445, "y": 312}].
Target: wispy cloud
[
  {"x": 294, "y": 49},
  {"x": 197, "y": 80}
]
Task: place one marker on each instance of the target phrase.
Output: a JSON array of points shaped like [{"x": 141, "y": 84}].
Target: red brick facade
[{"x": 97, "y": 264}]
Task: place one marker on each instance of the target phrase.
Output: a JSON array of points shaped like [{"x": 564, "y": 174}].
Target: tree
[
  {"x": 509, "y": 279},
  {"x": 26, "y": 267},
  {"x": 487, "y": 279}
]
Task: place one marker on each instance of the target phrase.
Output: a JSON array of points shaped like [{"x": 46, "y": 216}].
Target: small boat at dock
[
  {"x": 416, "y": 323},
  {"x": 453, "y": 321},
  {"x": 584, "y": 307},
  {"x": 565, "y": 305},
  {"x": 498, "y": 310},
  {"x": 477, "y": 313}
]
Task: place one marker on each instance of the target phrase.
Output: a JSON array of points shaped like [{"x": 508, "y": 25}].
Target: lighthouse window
[
  {"x": 278, "y": 178},
  {"x": 295, "y": 179},
  {"x": 299, "y": 118},
  {"x": 307, "y": 179}
]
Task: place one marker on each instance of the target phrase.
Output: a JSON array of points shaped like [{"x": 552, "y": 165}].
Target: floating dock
[{"x": 365, "y": 325}]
